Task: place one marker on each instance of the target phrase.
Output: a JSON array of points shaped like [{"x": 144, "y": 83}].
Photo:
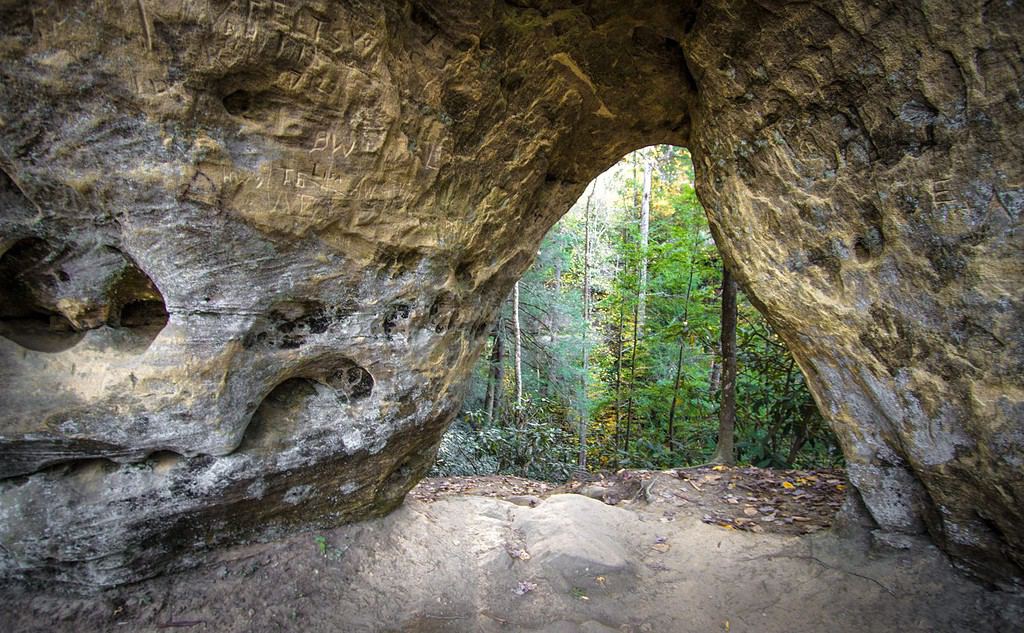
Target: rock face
[
  {"x": 250, "y": 249},
  {"x": 863, "y": 166}
]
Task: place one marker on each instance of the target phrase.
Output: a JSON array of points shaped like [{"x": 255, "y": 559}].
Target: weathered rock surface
[
  {"x": 863, "y": 168},
  {"x": 466, "y": 563},
  {"x": 250, "y": 249}
]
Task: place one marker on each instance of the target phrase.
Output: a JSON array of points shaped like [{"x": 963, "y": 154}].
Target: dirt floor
[{"x": 690, "y": 550}]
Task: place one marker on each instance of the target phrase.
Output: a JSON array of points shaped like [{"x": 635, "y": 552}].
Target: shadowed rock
[{"x": 285, "y": 229}]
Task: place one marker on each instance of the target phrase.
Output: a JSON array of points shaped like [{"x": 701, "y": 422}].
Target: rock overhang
[{"x": 321, "y": 194}]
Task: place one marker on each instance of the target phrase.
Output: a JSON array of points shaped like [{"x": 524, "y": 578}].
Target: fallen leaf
[
  {"x": 661, "y": 547},
  {"x": 787, "y": 485},
  {"x": 750, "y": 511},
  {"x": 720, "y": 467}
]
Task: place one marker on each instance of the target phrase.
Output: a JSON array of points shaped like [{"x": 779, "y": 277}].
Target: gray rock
[
  {"x": 529, "y": 501},
  {"x": 250, "y": 253}
]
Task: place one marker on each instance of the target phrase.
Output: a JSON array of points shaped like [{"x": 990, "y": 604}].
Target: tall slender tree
[
  {"x": 496, "y": 375},
  {"x": 645, "y": 233},
  {"x": 585, "y": 376},
  {"x": 632, "y": 379},
  {"x": 518, "y": 334},
  {"x": 679, "y": 359},
  {"x": 620, "y": 341},
  {"x": 725, "y": 452}
]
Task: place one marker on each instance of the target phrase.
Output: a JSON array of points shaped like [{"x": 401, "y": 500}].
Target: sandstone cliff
[{"x": 251, "y": 248}]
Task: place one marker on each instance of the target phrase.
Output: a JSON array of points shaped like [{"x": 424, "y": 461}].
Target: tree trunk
[
  {"x": 725, "y": 453},
  {"x": 632, "y": 383},
  {"x": 715, "y": 377},
  {"x": 675, "y": 397},
  {"x": 618, "y": 373},
  {"x": 807, "y": 412},
  {"x": 518, "y": 348},
  {"x": 494, "y": 386},
  {"x": 679, "y": 360},
  {"x": 586, "y": 257},
  {"x": 794, "y": 449},
  {"x": 558, "y": 270},
  {"x": 489, "y": 394},
  {"x": 645, "y": 231},
  {"x": 584, "y": 408}
]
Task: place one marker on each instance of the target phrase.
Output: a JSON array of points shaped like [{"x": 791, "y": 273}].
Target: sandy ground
[{"x": 653, "y": 562}]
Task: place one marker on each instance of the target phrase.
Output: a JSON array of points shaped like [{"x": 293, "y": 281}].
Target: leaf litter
[{"x": 747, "y": 498}]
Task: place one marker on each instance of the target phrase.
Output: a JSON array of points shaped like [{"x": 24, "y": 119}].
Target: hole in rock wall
[
  {"x": 163, "y": 462},
  {"x": 442, "y": 312},
  {"x": 292, "y": 323},
  {"x": 303, "y": 403},
  {"x": 23, "y": 317},
  {"x": 351, "y": 383},
  {"x": 52, "y": 295},
  {"x": 137, "y": 305},
  {"x": 145, "y": 313},
  {"x": 89, "y": 471},
  {"x": 395, "y": 318},
  {"x": 238, "y": 103}
]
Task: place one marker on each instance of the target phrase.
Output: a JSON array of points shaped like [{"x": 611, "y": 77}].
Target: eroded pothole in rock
[{"x": 54, "y": 294}]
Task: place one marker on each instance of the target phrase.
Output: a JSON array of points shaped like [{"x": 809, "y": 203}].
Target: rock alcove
[{"x": 331, "y": 200}]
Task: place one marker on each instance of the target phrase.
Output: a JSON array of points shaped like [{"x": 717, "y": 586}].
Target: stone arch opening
[
  {"x": 23, "y": 318},
  {"x": 53, "y": 295},
  {"x": 673, "y": 176},
  {"x": 860, "y": 164}
]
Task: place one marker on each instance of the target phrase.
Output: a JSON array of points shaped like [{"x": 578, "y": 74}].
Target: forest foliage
[{"x": 633, "y": 371}]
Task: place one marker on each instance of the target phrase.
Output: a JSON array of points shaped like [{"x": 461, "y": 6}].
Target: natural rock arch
[{"x": 361, "y": 185}]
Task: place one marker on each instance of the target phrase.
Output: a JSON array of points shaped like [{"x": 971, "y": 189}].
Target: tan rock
[{"x": 319, "y": 209}]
